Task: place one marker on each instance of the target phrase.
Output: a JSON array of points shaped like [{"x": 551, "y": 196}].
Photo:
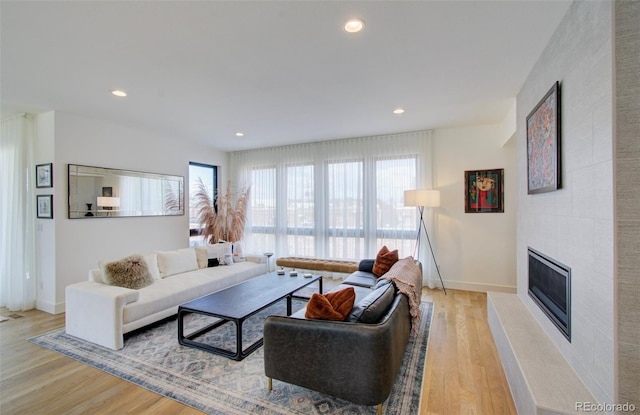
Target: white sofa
[{"x": 102, "y": 313}]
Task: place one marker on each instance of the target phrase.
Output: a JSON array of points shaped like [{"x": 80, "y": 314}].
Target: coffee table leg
[
  {"x": 289, "y": 305},
  {"x": 238, "y": 340}
]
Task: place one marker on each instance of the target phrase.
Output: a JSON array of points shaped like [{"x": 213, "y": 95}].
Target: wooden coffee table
[{"x": 239, "y": 302}]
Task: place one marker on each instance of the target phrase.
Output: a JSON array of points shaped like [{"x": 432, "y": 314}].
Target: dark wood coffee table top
[
  {"x": 236, "y": 304},
  {"x": 241, "y": 300}
]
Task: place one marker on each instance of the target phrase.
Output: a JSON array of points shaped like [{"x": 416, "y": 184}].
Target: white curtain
[
  {"x": 340, "y": 199},
  {"x": 17, "y": 214}
]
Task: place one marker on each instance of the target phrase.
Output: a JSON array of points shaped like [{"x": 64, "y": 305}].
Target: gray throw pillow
[
  {"x": 374, "y": 306},
  {"x": 130, "y": 272}
]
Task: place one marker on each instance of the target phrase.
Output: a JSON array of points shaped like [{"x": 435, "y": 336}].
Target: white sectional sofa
[{"x": 103, "y": 313}]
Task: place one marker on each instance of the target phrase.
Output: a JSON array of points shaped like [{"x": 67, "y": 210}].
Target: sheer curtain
[
  {"x": 17, "y": 214},
  {"x": 340, "y": 199}
]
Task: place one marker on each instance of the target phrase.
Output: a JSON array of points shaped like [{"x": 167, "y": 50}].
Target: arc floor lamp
[{"x": 422, "y": 198}]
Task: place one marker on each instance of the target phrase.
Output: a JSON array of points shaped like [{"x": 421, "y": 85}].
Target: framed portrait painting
[
  {"x": 44, "y": 206},
  {"x": 484, "y": 191},
  {"x": 44, "y": 175},
  {"x": 543, "y": 143}
]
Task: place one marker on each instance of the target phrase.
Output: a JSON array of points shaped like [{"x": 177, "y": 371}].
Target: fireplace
[{"x": 550, "y": 289}]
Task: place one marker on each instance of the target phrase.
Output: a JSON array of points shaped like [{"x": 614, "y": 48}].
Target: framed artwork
[
  {"x": 484, "y": 191},
  {"x": 107, "y": 191},
  {"x": 543, "y": 143},
  {"x": 44, "y": 206},
  {"x": 44, "y": 175}
]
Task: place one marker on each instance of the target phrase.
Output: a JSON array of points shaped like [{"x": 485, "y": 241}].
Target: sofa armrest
[
  {"x": 94, "y": 312},
  {"x": 353, "y": 361}
]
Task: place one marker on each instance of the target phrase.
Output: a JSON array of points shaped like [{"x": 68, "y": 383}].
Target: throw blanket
[{"x": 407, "y": 276}]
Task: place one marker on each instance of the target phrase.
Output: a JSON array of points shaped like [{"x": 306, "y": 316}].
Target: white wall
[
  {"x": 46, "y": 228},
  {"x": 574, "y": 225},
  {"x": 81, "y": 243},
  {"x": 475, "y": 251}
]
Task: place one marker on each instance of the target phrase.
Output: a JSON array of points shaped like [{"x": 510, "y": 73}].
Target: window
[
  {"x": 395, "y": 223},
  {"x": 345, "y": 215},
  {"x": 340, "y": 199},
  {"x": 300, "y": 210},
  {"x": 208, "y": 175},
  {"x": 262, "y": 210}
]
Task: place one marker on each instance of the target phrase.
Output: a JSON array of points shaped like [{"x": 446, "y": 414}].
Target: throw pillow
[
  {"x": 130, "y": 272},
  {"x": 334, "y": 306},
  {"x": 177, "y": 262},
  {"x": 152, "y": 264},
  {"x": 202, "y": 256},
  {"x": 374, "y": 306},
  {"x": 384, "y": 261}
]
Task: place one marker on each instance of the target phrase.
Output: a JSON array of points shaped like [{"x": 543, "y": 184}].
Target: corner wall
[
  {"x": 475, "y": 251},
  {"x": 627, "y": 155},
  {"x": 81, "y": 243},
  {"x": 574, "y": 225}
]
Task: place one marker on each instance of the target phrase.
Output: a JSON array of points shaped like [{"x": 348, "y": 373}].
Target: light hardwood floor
[{"x": 463, "y": 373}]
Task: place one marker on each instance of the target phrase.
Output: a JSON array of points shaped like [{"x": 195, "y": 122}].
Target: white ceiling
[{"x": 280, "y": 71}]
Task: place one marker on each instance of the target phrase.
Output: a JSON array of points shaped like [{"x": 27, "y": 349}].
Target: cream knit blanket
[{"x": 407, "y": 276}]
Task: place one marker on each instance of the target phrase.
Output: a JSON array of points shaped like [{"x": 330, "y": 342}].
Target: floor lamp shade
[{"x": 422, "y": 197}]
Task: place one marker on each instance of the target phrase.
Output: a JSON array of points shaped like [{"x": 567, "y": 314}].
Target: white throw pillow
[
  {"x": 176, "y": 262},
  {"x": 202, "y": 256},
  {"x": 152, "y": 264}
]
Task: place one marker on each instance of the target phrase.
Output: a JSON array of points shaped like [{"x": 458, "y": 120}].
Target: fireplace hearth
[{"x": 550, "y": 289}]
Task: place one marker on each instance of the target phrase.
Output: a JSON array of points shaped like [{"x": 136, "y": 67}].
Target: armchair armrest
[{"x": 94, "y": 312}]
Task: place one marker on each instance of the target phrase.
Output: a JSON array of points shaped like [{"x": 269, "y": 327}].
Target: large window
[
  {"x": 208, "y": 175},
  {"x": 340, "y": 200}
]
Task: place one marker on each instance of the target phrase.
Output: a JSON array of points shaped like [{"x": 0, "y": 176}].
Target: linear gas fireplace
[{"x": 550, "y": 288}]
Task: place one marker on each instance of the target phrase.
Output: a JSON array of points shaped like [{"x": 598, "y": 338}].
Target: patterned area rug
[{"x": 153, "y": 359}]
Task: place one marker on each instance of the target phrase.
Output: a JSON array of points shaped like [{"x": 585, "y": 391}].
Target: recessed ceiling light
[
  {"x": 354, "y": 25},
  {"x": 398, "y": 111},
  {"x": 239, "y": 134},
  {"x": 118, "y": 93}
]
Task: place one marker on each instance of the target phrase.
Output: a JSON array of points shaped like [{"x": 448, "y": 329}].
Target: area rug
[{"x": 153, "y": 359}]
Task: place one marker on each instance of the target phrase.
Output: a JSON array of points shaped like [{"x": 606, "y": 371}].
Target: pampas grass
[{"x": 225, "y": 223}]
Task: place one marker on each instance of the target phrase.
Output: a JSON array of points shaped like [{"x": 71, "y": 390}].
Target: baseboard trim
[
  {"x": 479, "y": 287},
  {"x": 50, "y": 308}
]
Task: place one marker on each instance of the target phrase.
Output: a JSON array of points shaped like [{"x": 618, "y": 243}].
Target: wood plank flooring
[{"x": 463, "y": 374}]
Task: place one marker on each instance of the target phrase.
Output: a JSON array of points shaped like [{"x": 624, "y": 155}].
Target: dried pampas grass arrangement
[{"x": 225, "y": 223}]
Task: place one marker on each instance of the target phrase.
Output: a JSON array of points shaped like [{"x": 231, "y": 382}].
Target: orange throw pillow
[
  {"x": 334, "y": 306},
  {"x": 384, "y": 261}
]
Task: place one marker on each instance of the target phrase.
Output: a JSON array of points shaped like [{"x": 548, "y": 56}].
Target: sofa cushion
[
  {"x": 366, "y": 265},
  {"x": 177, "y": 289},
  {"x": 334, "y": 305},
  {"x": 384, "y": 260},
  {"x": 361, "y": 279},
  {"x": 374, "y": 306},
  {"x": 129, "y": 272},
  {"x": 177, "y": 262}
]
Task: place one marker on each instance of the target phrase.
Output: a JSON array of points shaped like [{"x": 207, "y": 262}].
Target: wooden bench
[{"x": 317, "y": 264}]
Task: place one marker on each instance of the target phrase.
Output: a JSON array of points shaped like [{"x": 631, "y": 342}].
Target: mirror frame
[{"x": 77, "y": 212}]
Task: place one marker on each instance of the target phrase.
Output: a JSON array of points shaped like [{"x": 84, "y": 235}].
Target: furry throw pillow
[
  {"x": 384, "y": 261},
  {"x": 130, "y": 272},
  {"x": 335, "y": 305}
]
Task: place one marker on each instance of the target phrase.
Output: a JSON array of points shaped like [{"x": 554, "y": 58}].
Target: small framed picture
[
  {"x": 44, "y": 206},
  {"x": 484, "y": 191},
  {"x": 44, "y": 175}
]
